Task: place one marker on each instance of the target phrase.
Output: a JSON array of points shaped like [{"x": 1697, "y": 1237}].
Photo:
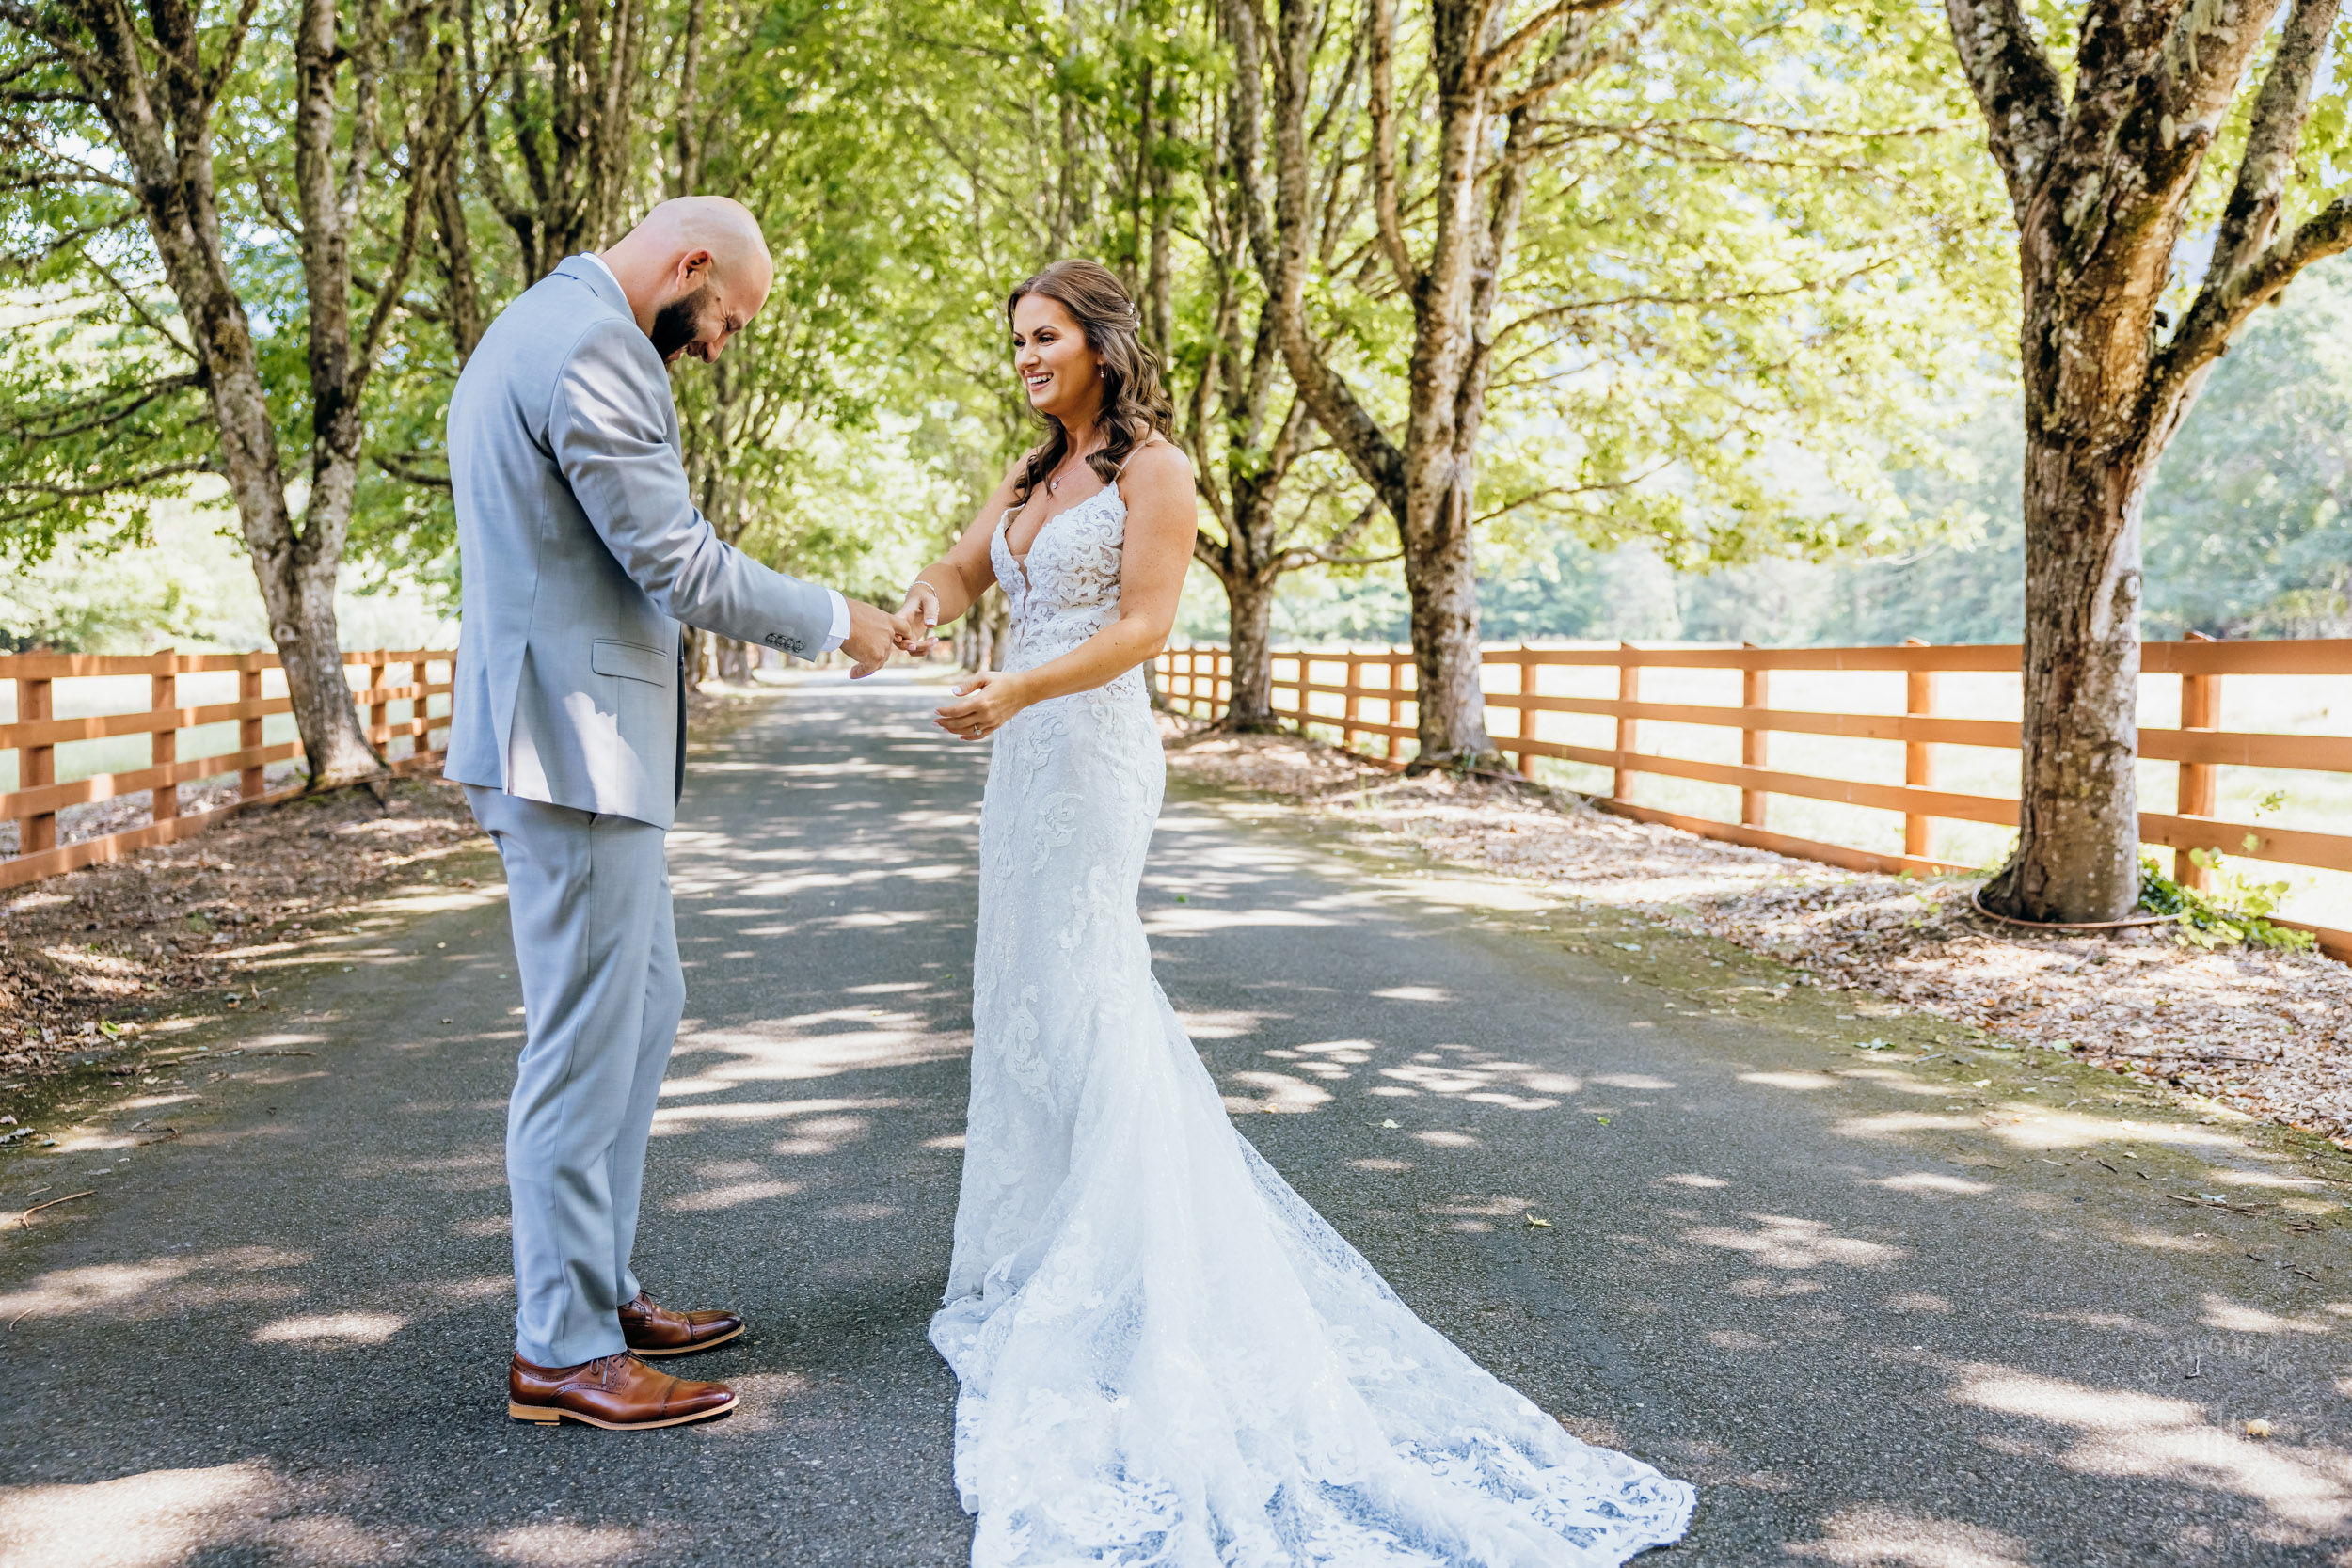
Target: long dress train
[{"x": 1166, "y": 1357}]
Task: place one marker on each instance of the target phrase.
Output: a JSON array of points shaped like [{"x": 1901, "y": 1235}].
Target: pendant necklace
[{"x": 1053, "y": 481}]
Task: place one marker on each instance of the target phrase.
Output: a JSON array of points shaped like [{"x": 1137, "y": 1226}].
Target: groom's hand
[{"x": 872, "y": 637}]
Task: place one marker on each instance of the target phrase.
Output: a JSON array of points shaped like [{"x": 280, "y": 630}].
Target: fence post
[
  {"x": 2199, "y": 790},
  {"x": 251, "y": 779},
  {"x": 1527, "y": 714},
  {"x": 1400, "y": 660},
  {"x": 1755, "y": 695},
  {"x": 37, "y": 766},
  {"x": 1918, "y": 756},
  {"x": 380, "y": 714},
  {"x": 1628, "y": 691},
  {"x": 163, "y": 745},
  {"x": 1353, "y": 711}
]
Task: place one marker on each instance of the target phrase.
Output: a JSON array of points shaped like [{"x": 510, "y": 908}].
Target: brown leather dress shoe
[
  {"x": 618, "y": 1393},
  {"x": 652, "y": 1330}
]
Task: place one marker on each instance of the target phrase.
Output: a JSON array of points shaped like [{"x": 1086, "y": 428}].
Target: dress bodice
[{"x": 1067, "y": 590}]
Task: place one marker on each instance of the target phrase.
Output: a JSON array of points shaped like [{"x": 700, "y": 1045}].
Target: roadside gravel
[{"x": 2259, "y": 1033}]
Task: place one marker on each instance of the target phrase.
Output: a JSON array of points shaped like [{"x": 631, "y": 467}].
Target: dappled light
[
  {"x": 568, "y": 1545},
  {"x": 2302, "y": 1495},
  {"x": 1782, "y": 1242},
  {"x": 330, "y": 1329},
  {"x": 1879, "y": 1536},
  {"x": 151, "y": 1520},
  {"x": 1932, "y": 1181},
  {"x": 2239, "y": 1318},
  {"x": 157, "y": 1285}
]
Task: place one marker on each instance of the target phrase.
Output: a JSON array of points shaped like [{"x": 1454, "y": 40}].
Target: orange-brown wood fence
[
  {"x": 1199, "y": 680},
  {"x": 37, "y": 733}
]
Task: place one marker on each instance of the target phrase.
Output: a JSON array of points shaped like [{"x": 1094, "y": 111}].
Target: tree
[
  {"x": 2104, "y": 181},
  {"x": 132, "y": 118},
  {"x": 1247, "y": 430},
  {"x": 1655, "y": 248}
]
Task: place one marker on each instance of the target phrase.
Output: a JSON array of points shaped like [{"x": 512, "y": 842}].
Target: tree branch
[
  {"x": 1351, "y": 427},
  {"x": 2016, "y": 87},
  {"x": 38, "y": 429},
  {"x": 2204, "y": 56},
  {"x": 1383, "y": 104},
  {"x": 2281, "y": 110},
  {"x": 1498, "y": 59},
  {"x": 115, "y": 487},
  {"x": 401, "y": 468},
  {"x": 230, "y": 49},
  {"x": 138, "y": 307},
  {"x": 1598, "y": 487},
  {"x": 2206, "y": 332}
]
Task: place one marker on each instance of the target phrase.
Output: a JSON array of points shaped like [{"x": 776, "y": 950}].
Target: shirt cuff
[{"x": 834, "y": 638}]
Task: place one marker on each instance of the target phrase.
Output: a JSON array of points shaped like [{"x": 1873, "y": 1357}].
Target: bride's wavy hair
[{"x": 1134, "y": 406}]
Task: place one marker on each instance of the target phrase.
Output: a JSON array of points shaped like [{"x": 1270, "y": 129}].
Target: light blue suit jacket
[{"x": 582, "y": 551}]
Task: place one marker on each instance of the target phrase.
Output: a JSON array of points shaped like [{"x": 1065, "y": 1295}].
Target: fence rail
[
  {"x": 1199, "y": 680},
  {"x": 36, "y": 734}
]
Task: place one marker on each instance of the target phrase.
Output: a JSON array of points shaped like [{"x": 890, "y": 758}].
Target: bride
[{"x": 1166, "y": 1357}]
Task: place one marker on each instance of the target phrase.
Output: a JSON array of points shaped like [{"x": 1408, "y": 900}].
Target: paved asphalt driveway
[{"x": 1879, "y": 1314}]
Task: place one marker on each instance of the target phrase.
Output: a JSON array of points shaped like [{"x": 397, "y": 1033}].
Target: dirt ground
[
  {"x": 2246, "y": 1032},
  {"x": 96, "y": 954}
]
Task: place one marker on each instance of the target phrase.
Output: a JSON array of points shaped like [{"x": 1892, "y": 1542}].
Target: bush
[{"x": 2230, "y": 916}]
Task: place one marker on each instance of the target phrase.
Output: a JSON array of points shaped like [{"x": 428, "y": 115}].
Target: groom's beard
[{"x": 679, "y": 323}]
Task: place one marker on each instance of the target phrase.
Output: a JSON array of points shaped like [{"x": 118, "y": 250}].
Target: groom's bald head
[{"x": 696, "y": 271}]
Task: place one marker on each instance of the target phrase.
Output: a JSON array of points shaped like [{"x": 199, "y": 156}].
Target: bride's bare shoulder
[{"x": 1159, "y": 463}]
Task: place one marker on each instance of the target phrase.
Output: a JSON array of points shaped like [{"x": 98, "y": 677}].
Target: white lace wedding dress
[{"x": 1166, "y": 1357}]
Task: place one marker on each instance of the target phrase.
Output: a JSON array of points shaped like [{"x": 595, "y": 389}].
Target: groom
[{"x": 582, "y": 554}]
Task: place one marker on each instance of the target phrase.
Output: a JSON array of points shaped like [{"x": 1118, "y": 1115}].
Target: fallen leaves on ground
[
  {"x": 2267, "y": 1033},
  {"x": 81, "y": 953}
]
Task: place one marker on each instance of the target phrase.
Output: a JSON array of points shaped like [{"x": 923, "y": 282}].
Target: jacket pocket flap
[{"x": 631, "y": 661}]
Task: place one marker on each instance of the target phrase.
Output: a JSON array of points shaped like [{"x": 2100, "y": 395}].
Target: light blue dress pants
[{"x": 588, "y": 897}]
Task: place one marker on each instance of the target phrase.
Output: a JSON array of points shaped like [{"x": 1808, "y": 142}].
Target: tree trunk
[
  {"x": 1250, "y": 616},
  {"x": 300, "y": 592},
  {"x": 2078, "y": 825},
  {"x": 1442, "y": 576},
  {"x": 2101, "y": 164}
]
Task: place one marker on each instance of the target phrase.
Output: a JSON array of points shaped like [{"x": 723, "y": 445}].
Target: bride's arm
[
  {"x": 1161, "y": 520},
  {"x": 954, "y": 583}
]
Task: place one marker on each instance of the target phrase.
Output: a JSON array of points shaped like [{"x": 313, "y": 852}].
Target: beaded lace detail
[{"x": 1166, "y": 1357}]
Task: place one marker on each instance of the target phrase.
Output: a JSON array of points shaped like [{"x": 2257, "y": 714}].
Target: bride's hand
[
  {"x": 989, "y": 699},
  {"x": 920, "y": 609}
]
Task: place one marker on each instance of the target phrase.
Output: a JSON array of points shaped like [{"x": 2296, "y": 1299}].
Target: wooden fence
[
  {"x": 1329, "y": 689},
  {"x": 37, "y": 733}
]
